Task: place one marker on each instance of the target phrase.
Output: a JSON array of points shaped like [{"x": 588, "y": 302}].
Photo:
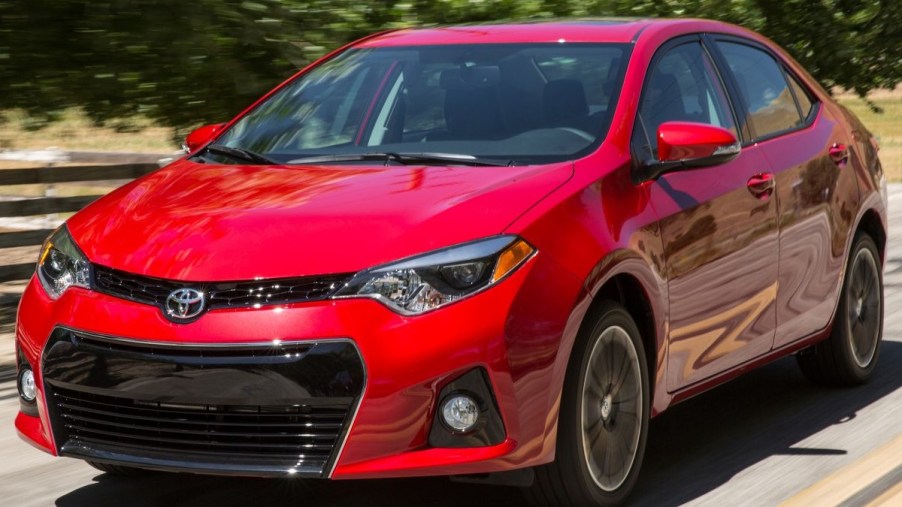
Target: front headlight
[
  {"x": 430, "y": 281},
  {"x": 62, "y": 265}
]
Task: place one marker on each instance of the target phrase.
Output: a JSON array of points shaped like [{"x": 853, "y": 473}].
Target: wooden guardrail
[{"x": 24, "y": 207}]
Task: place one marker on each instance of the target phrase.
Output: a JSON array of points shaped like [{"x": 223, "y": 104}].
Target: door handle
[
  {"x": 839, "y": 154},
  {"x": 762, "y": 185}
]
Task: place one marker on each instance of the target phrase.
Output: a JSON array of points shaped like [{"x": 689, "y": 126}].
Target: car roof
[{"x": 613, "y": 30}]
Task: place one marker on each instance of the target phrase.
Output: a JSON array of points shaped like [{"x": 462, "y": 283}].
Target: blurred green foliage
[{"x": 185, "y": 62}]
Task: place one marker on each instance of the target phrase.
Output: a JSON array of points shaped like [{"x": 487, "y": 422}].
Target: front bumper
[{"x": 515, "y": 333}]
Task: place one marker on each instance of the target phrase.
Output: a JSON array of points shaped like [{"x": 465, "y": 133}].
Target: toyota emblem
[{"x": 184, "y": 304}]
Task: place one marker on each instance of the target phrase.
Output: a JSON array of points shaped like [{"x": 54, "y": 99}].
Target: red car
[{"x": 484, "y": 251}]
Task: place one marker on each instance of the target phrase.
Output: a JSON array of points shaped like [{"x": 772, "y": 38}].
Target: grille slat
[
  {"x": 196, "y": 351},
  {"x": 183, "y": 409},
  {"x": 146, "y": 415},
  {"x": 154, "y": 291},
  {"x": 309, "y": 459},
  {"x": 75, "y": 420},
  {"x": 79, "y": 430}
]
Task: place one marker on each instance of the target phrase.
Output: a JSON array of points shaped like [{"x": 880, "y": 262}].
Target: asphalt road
[{"x": 759, "y": 440}]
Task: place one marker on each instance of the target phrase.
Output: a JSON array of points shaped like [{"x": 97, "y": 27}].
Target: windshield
[{"x": 518, "y": 103}]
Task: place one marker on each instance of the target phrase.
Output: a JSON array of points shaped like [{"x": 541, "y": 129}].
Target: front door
[{"x": 719, "y": 228}]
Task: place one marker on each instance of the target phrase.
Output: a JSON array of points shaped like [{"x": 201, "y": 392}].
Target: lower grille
[
  {"x": 242, "y": 410},
  {"x": 301, "y": 436}
]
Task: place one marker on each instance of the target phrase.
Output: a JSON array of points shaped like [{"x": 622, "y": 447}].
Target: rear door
[
  {"x": 719, "y": 237},
  {"x": 807, "y": 151}
]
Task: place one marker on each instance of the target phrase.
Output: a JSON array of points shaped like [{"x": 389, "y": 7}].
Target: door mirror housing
[
  {"x": 201, "y": 136},
  {"x": 687, "y": 145},
  {"x": 696, "y": 144}
]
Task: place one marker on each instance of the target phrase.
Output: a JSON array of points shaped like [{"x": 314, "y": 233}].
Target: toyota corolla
[{"x": 493, "y": 251}]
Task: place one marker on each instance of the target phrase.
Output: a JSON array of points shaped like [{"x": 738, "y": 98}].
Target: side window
[
  {"x": 682, "y": 86},
  {"x": 802, "y": 96},
  {"x": 771, "y": 108}
]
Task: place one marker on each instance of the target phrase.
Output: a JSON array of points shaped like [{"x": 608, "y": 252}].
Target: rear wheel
[
  {"x": 604, "y": 417},
  {"x": 849, "y": 355}
]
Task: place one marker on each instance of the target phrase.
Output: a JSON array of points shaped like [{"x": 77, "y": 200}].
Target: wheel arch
[
  {"x": 632, "y": 281},
  {"x": 626, "y": 290},
  {"x": 872, "y": 224}
]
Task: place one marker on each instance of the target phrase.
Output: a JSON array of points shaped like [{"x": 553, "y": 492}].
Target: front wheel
[
  {"x": 603, "y": 422},
  {"x": 849, "y": 355}
]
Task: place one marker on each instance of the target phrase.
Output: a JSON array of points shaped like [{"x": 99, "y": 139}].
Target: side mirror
[
  {"x": 686, "y": 145},
  {"x": 201, "y": 136}
]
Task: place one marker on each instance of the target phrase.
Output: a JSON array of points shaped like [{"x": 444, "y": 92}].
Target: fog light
[
  {"x": 460, "y": 412},
  {"x": 26, "y": 385}
]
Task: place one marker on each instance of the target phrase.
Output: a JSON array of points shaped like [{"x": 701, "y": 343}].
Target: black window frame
[
  {"x": 789, "y": 75},
  {"x": 711, "y": 40}
]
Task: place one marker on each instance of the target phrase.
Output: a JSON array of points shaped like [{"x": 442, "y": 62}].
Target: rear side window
[{"x": 770, "y": 105}]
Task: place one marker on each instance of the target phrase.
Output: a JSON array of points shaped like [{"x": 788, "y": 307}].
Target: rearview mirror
[
  {"x": 201, "y": 136},
  {"x": 470, "y": 77},
  {"x": 688, "y": 145}
]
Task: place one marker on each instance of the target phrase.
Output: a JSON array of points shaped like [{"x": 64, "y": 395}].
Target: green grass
[{"x": 887, "y": 126}]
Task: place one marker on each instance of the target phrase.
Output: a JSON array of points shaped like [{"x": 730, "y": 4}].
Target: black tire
[
  {"x": 120, "y": 470},
  {"x": 848, "y": 356},
  {"x": 613, "y": 425}
]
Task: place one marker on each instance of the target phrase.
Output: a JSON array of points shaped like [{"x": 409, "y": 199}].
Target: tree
[{"x": 182, "y": 63}]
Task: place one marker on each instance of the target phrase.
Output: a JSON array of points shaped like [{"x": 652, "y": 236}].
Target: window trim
[{"x": 714, "y": 38}]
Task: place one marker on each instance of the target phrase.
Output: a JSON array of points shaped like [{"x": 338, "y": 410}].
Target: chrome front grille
[{"x": 154, "y": 291}]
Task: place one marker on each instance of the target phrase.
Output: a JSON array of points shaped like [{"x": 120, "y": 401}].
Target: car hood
[{"x": 206, "y": 222}]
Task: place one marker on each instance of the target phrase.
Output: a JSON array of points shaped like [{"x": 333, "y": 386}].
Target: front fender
[{"x": 601, "y": 228}]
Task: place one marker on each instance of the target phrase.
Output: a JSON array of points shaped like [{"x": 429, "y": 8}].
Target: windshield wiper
[
  {"x": 240, "y": 154},
  {"x": 404, "y": 158}
]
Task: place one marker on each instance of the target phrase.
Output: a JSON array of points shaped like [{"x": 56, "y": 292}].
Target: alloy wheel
[
  {"x": 611, "y": 415},
  {"x": 863, "y": 303}
]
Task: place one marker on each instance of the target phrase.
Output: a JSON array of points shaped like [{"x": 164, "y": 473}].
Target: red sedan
[{"x": 493, "y": 250}]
